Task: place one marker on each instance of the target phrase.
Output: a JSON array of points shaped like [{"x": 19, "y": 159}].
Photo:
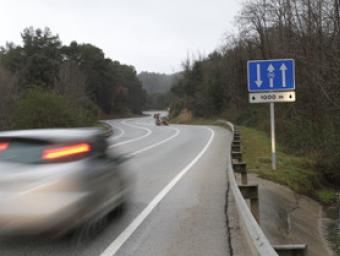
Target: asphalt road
[{"x": 177, "y": 202}]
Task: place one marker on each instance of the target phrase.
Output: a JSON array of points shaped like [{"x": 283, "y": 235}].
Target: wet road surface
[{"x": 176, "y": 206}]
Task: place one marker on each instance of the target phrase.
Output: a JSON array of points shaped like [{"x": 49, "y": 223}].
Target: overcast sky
[{"x": 152, "y": 35}]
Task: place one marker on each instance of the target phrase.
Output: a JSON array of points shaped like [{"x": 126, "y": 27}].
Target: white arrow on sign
[
  {"x": 271, "y": 70},
  {"x": 258, "y": 73},
  {"x": 283, "y": 69}
]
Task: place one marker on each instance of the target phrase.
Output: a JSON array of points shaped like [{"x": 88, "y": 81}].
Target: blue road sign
[{"x": 271, "y": 75}]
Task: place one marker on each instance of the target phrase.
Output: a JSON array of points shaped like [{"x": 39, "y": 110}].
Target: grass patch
[
  {"x": 327, "y": 196},
  {"x": 297, "y": 173}
]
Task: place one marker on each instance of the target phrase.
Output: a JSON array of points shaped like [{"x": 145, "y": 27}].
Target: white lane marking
[
  {"x": 113, "y": 248},
  {"x": 158, "y": 143},
  {"x": 148, "y": 132},
  {"x": 121, "y": 132}
]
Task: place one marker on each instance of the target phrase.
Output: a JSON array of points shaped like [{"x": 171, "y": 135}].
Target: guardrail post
[
  {"x": 255, "y": 210},
  {"x": 241, "y": 167},
  {"x": 237, "y": 142},
  {"x": 235, "y": 147},
  {"x": 251, "y": 192},
  {"x": 236, "y": 155},
  {"x": 291, "y": 249}
]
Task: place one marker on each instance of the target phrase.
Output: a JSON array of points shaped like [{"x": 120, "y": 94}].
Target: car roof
[{"x": 54, "y": 135}]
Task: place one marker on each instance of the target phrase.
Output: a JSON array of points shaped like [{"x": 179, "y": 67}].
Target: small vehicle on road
[
  {"x": 54, "y": 180},
  {"x": 160, "y": 120}
]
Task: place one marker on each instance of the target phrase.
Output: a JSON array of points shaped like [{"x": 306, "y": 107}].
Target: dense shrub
[
  {"x": 84, "y": 80},
  {"x": 45, "y": 109}
]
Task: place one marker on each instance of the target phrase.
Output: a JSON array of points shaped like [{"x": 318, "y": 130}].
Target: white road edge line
[
  {"x": 113, "y": 248},
  {"x": 121, "y": 132},
  {"x": 148, "y": 132},
  {"x": 158, "y": 143}
]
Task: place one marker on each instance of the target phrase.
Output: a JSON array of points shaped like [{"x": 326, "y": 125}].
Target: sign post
[
  {"x": 272, "y": 129},
  {"x": 271, "y": 81}
]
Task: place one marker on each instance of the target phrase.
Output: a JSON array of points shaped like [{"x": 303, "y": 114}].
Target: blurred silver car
[{"x": 54, "y": 180}]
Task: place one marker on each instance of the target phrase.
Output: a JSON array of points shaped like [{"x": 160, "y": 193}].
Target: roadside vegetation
[
  {"x": 44, "y": 83},
  {"x": 296, "y": 172},
  {"x": 307, "y": 31}
]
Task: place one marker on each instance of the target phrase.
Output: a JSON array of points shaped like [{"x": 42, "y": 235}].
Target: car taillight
[
  {"x": 66, "y": 151},
  {"x": 3, "y": 146}
]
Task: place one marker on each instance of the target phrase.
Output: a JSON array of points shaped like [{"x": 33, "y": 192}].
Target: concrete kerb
[{"x": 256, "y": 239}]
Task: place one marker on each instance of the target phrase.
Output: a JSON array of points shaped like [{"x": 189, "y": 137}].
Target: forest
[
  {"x": 158, "y": 87},
  {"x": 44, "y": 83},
  {"x": 307, "y": 31}
]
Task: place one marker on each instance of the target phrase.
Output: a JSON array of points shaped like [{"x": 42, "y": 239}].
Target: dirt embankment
[{"x": 290, "y": 218}]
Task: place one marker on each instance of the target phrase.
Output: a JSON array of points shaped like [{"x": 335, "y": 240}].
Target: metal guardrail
[
  {"x": 256, "y": 239},
  {"x": 106, "y": 128}
]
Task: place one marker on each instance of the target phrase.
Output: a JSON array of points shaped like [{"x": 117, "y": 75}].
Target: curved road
[{"x": 177, "y": 201}]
